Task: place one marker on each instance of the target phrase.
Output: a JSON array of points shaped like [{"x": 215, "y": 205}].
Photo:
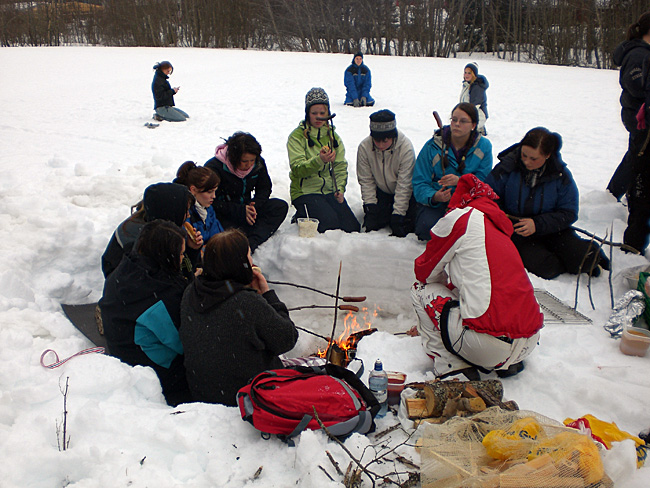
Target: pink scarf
[{"x": 221, "y": 154}]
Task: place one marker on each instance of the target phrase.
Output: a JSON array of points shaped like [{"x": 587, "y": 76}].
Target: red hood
[{"x": 472, "y": 192}]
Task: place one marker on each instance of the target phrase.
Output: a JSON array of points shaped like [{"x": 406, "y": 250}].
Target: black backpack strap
[{"x": 444, "y": 332}]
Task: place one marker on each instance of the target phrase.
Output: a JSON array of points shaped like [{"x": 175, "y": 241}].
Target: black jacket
[
  {"x": 137, "y": 284},
  {"x": 230, "y": 333},
  {"x": 234, "y": 193},
  {"x": 163, "y": 93},
  {"x": 634, "y": 59},
  {"x": 166, "y": 201}
]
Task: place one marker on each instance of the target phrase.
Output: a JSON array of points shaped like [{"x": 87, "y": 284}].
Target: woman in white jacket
[{"x": 473, "y": 91}]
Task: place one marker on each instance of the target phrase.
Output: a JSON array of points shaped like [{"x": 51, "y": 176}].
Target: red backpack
[{"x": 282, "y": 401}]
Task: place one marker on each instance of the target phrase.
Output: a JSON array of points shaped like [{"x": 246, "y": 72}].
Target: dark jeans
[
  {"x": 270, "y": 215},
  {"x": 426, "y": 218},
  {"x": 330, "y": 213},
  {"x": 550, "y": 255},
  {"x": 638, "y": 221},
  {"x": 381, "y": 219}
]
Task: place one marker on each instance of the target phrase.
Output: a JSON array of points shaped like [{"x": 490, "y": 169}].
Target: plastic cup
[{"x": 307, "y": 227}]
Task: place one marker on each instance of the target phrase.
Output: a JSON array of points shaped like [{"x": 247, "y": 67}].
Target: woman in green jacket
[{"x": 319, "y": 171}]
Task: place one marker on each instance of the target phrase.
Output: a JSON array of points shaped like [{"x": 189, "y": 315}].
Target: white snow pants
[{"x": 469, "y": 346}]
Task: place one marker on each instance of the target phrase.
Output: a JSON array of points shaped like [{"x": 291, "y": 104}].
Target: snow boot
[{"x": 513, "y": 370}]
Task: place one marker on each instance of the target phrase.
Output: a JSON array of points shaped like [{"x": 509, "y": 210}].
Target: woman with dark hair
[
  {"x": 140, "y": 307},
  {"x": 233, "y": 325},
  {"x": 633, "y": 174},
  {"x": 242, "y": 199},
  {"x": 165, "y": 201},
  {"x": 318, "y": 168},
  {"x": 537, "y": 191},
  {"x": 203, "y": 185},
  {"x": 473, "y": 91},
  {"x": 455, "y": 150},
  {"x": 163, "y": 94}
]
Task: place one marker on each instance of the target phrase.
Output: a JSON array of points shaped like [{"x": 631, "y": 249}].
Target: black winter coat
[
  {"x": 163, "y": 93},
  {"x": 135, "y": 285},
  {"x": 634, "y": 59},
  {"x": 230, "y": 333},
  {"x": 234, "y": 193}
]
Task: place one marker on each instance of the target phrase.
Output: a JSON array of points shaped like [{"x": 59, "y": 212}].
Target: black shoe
[
  {"x": 513, "y": 370},
  {"x": 470, "y": 373},
  {"x": 158, "y": 118}
]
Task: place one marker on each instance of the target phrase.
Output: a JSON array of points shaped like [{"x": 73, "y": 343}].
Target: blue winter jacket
[
  {"x": 428, "y": 168},
  {"x": 210, "y": 227},
  {"x": 358, "y": 82},
  {"x": 552, "y": 203}
]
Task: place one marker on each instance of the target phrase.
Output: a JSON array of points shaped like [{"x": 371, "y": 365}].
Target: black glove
[
  {"x": 372, "y": 219},
  {"x": 363, "y": 101},
  {"x": 398, "y": 225},
  {"x": 355, "y": 102}
]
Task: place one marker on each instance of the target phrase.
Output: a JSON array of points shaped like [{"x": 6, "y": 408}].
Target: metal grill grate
[{"x": 556, "y": 312}]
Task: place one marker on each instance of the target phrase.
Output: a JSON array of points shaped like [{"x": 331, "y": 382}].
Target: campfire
[{"x": 343, "y": 349}]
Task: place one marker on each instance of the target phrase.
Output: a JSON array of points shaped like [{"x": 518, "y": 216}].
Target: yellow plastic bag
[
  {"x": 513, "y": 443},
  {"x": 606, "y": 433},
  {"x": 572, "y": 447}
]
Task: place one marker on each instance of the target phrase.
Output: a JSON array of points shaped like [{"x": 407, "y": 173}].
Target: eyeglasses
[{"x": 454, "y": 120}]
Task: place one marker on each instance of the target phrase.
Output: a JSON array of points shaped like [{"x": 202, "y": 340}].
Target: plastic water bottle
[{"x": 378, "y": 384}]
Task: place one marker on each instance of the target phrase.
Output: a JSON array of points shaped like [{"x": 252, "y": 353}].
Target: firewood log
[{"x": 438, "y": 392}]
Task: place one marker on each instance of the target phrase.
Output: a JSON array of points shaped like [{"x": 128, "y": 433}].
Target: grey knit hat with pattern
[{"x": 315, "y": 96}]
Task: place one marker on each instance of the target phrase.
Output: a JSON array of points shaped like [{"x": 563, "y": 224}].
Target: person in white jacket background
[
  {"x": 385, "y": 161},
  {"x": 475, "y": 304},
  {"x": 473, "y": 91}
]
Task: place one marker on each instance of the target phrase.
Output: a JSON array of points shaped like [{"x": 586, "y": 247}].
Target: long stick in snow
[{"x": 336, "y": 305}]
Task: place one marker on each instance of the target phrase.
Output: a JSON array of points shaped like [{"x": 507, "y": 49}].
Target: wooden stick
[
  {"x": 334, "y": 463},
  {"x": 623, "y": 246},
  {"x": 611, "y": 267},
  {"x": 350, "y": 308},
  {"x": 313, "y": 333},
  {"x": 345, "y": 299},
  {"x": 336, "y": 304}
]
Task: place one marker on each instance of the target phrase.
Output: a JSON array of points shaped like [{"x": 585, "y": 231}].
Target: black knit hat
[
  {"x": 383, "y": 124},
  {"x": 473, "y": 67},
  {"x": 358, "y": 54},
  {"x": 315, "y": 96}
]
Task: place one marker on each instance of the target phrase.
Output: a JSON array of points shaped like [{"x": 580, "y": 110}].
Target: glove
[
  {"x": 363, "y": 101},
  {"x": 355, "y": 102},
  {"x": 372, "y": 219},
  {"x": 398, "y": 225}
]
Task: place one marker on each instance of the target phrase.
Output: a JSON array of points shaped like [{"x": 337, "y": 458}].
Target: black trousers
[
  {"x": 330, "y": 213},
  {"x": 270, "y": 215},
  {"x": 638, "y": 222},
  {"x": 550, "y": 255},
  {"x": 385, "y": 202}
]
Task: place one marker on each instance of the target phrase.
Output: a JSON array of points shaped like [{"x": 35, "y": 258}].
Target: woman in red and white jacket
[{"x": 474, "y": 301}]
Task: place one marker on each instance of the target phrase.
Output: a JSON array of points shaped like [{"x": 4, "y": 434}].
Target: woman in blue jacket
[
  {"x": 538, "y": 193},
  {"x": 453, "y": 151},
  {"x": 358, "y": 82},
  {"x": 473, "y": 91}
]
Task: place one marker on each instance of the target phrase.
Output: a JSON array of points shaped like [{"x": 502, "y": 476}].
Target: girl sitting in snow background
[
  {"x": 163, "y": 94},
  {"x": 319, "y": 170},
  {"x": 358, "y": 81},
  {"x": 243, "y": 197},
  {"x": 473, "y": 91},
  {"x": 202, "y": 184},
  {"x": 454, "y": 150}
]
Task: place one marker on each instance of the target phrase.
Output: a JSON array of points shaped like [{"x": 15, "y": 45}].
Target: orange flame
[{"x": 351, "y": 326}]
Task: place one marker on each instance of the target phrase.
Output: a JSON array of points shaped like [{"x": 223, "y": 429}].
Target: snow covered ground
[{"x": 75, "y": 156}]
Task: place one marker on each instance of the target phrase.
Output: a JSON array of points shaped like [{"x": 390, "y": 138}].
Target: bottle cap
[{"x": 378, "y": 365}]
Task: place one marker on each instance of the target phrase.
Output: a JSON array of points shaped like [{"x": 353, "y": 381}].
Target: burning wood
[{"x": 343, "y": 349}]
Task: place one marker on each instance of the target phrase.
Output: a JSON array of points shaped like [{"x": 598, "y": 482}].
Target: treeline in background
[{"x": 561, "y": 32}]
